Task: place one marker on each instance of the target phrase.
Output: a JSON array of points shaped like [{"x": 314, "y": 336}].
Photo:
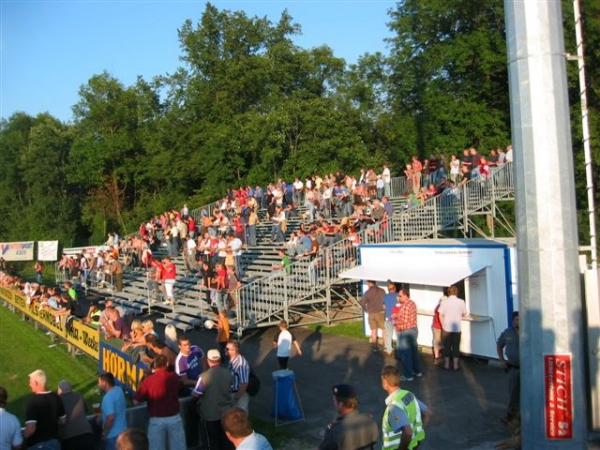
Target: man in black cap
[{"x": 351, "y": 430}]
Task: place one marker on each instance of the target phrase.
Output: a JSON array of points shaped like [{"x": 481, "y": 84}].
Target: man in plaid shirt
[{"x": 404, "y": 316}]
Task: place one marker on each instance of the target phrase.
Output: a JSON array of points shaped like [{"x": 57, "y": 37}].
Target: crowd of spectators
[{"x": 332, "y": 208}]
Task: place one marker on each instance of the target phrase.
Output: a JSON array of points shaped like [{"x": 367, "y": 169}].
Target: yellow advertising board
[{"x": 85, "y": 337}]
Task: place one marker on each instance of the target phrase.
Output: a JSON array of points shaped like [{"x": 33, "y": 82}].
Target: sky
[{"x": 50, "y": 48}]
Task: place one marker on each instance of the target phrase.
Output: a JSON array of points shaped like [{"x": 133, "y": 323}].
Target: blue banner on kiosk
[{"x": 127, "y": 374}]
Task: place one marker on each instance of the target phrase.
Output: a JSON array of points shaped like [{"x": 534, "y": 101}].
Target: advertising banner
[
  {"x": 86, "y": 338},
  {"x": 558, "y": 407},
  {"x": 16, "y": 251},
  {"x": 127, "y": 374},
  {"x": 47, "y": 251}
]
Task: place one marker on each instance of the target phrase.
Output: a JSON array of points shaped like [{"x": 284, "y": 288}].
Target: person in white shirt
[
  {"x": 283, "y": 341},
  {"x": 509, "y": 154},
  {"x": 297, "y": 195},
  {"x": 387, "y": 180},
  {"x": 452, "y": 310}
]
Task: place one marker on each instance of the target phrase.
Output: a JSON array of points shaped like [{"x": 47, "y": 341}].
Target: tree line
[{"x": 248, "y": 106}]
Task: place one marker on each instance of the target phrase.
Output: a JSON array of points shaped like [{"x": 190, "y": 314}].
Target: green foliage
[{"x": 448, "y": 72}]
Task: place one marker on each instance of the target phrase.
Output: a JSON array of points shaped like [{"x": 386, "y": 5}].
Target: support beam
[{"x": 547, "y": 243}]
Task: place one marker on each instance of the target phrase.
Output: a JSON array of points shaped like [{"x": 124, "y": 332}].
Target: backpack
[{"x": 253, "y": 384}]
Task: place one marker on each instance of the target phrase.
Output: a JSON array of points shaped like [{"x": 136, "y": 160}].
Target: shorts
[{"x": 377, "y": 320}]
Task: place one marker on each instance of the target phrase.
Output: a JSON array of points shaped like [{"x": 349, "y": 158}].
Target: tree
[
  {"x": 105, "y": 151},
  {"x": 448, "y": 73}
]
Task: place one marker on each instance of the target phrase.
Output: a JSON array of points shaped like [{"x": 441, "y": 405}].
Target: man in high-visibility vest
[{"x": 402, "y": 423}]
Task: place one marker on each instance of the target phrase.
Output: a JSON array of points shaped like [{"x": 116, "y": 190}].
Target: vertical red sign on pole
[{"x": 558, "y": 391}]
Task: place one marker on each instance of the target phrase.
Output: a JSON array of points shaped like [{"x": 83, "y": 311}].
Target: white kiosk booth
[{"x": 484, "y": 270}]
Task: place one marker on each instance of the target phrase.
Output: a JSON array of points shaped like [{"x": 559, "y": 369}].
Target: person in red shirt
[
  {"x": 437, "y": 332},
  {"x": 404, "y": 316},
  {"x": 417, "y": 168},
  {"x": 169, "y": 273},
  {"x": 191, "y": 225},
  {"x": 160, "y": 391}
]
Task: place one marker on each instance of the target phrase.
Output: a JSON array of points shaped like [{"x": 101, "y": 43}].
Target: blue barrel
[{"x": 284, "y": 392}]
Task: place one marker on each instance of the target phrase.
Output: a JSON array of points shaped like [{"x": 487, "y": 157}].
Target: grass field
[
  {"x": 34, "y": 350},
  {"x": 24, "y": 349},
  {"x": 349, "y": 329}
]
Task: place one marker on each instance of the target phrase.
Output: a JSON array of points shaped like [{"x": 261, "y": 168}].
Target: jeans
[
  {"x": 251, "y": 235},
  {"x": 163, "y": 430},
  {"x": 310, "y": 208},
  {"x": 277, "y": 233},
  {"x": 408, "y": 351},
  {"x": 389, "y": 331}
]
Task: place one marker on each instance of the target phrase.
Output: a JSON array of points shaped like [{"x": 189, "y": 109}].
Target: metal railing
[{"x": 267, "y": 300}]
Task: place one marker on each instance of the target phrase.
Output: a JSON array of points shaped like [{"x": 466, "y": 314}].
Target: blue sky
[{"x": 48, "y": 49}]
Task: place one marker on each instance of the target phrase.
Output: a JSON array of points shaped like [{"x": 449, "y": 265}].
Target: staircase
[{"x": 313, "y": 292}]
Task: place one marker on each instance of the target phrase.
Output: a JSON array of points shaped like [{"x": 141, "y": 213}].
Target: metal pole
[
  {"x": 553, "y": 394},
  {"x": 585, "y": 129}
]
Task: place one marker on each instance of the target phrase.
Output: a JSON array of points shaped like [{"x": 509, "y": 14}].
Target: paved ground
[{"x": 467, "y": 404}]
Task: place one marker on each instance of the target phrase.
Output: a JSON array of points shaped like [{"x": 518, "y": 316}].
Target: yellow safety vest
[{"x": 407, "y": 402}]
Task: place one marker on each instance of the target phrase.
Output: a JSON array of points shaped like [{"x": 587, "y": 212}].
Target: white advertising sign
[
  {"x": 16, "y": 251},
  {"x": 47, "y": 251}
]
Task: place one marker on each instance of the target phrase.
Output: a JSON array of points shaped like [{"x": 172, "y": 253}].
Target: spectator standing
[
  {"x": 402, "y": 424},
  {"x": 238, "y": 430},
  {"x": 389, "y": 302},
  {"x": 276, "y": 230},
  {"x": 214, "y": 398},
  {"x": 39, "y": 270},
  {"x": 283, "y": 341},
  {"x": 508, "y": 352},
  {"x": 44, "y": 412},
  {"x": 169, "y": 273},
  {"x": 253, "y": 220},
  {"x": 114, "y": 410},
  {"x": 116, "y": 270},
  {"x": 10, "y": 428},
  {"x": 298, "y": 186},
  {"x": 372, "y": 304},
  {"x": 240, "y": 373},
  {"x": 160, "y": 391},
  {"x": 508, "y": 156},
  {"x": 417, "y": 168},
  {"x": 404, "y": 316},
  {"x": 436, "y": 327},
  {"x": 387, "y": 180},
  {"x": 454, "y": 168},
  {"x": 351, "y": 429},
  {"x": 452, "y": 310},
  {"x": 189, "y": 255},
  {"x": 189, "y": 363},
  {"x": 223, "y": 333},
  {"x": 77, "y": 432}
]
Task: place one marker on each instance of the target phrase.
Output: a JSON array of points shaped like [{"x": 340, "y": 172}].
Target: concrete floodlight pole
[{"x": 553, "y": 405}]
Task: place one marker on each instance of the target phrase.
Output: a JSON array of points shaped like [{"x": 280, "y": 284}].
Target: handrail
[{"x": 270, "y": 296}]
